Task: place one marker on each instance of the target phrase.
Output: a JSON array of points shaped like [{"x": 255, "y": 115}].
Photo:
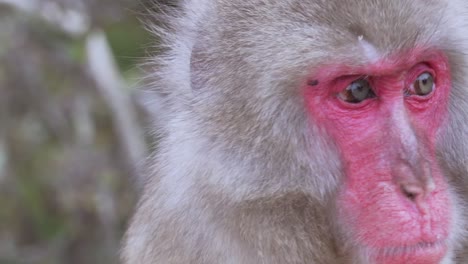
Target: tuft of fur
[{"x": 238, "y": 178}]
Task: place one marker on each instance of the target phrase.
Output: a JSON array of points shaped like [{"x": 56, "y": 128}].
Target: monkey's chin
[{"x": 421, "y": 253}]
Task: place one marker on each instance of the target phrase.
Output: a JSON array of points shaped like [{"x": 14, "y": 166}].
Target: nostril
[
  {"x": 409, "y": 195},
  {"x": 411, "y": 190}
]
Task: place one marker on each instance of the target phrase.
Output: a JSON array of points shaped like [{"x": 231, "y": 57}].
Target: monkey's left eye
[
  {"x": 423, "y": 85},
  {"x": 357, "y": 92}
]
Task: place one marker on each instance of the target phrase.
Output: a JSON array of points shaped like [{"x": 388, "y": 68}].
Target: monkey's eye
[
  {"x": 357, "y": 92},
  {"x": 423, "y": 85}
]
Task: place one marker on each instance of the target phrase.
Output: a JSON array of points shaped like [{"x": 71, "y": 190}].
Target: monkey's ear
[{"x": 168, "y": 83}]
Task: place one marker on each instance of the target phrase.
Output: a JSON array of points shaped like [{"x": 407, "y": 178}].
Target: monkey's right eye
[{"x": 357, "y": 92}]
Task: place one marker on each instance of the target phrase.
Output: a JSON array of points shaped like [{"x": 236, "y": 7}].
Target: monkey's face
[{"x": 384, "y": 118}]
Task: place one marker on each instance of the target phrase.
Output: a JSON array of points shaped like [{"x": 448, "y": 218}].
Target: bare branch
[{"x": 109, "y": 82}]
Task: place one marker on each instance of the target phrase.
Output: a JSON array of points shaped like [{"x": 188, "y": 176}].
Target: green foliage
[{"x": 127, "y": 40}]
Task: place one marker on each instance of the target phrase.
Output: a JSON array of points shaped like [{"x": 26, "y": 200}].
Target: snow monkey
[{"x": 307, "y": 131}]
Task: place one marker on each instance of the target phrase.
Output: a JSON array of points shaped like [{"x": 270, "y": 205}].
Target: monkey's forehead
[{"x": 377, "y": 26}]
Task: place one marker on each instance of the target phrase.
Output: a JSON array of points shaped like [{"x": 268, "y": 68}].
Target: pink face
[{"x": 385, "y": 117}]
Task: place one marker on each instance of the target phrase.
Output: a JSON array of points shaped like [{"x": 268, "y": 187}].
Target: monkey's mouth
[
  {"x": 422, "y": 246},
  {"x": 423, "y": 250}
]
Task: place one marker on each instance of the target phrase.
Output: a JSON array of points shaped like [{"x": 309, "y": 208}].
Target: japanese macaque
[{"x": 320, "y": 131}]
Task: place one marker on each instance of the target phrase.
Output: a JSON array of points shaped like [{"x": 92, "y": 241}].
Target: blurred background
[{"x": 72, "y": 128}]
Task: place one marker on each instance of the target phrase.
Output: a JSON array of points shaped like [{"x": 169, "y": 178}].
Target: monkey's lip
[{"x": 421, "y": 248}]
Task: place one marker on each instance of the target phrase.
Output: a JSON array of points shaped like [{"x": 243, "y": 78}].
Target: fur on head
[{"x": 237, "y": 145}]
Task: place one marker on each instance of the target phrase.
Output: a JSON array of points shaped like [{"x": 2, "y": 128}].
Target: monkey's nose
[
  {"x": 418, "y": 190},
  {"x": 418, "y": 193},
  {"x": 416, "y": 184},
  {"x": 412, "y": 190}
]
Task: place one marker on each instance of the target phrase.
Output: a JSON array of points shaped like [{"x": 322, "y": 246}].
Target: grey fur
[{"x": 231, "y": 182}]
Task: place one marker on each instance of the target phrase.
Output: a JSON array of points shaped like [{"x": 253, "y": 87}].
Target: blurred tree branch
[
  {"x": 70, "y": 132},
  {"x": 109, "y": 82}
]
